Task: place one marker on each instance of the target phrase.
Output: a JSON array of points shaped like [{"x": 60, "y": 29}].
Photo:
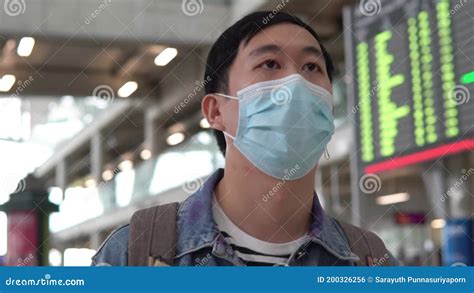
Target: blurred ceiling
[
  {"x": 85, "y": 46},
  {"x": 88, "y": 43}
]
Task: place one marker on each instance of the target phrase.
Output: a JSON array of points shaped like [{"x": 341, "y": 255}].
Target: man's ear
[{"x": 211, "y": 109}]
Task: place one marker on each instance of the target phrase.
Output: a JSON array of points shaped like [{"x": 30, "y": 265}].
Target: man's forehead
[{"x": 287, "y": 36}]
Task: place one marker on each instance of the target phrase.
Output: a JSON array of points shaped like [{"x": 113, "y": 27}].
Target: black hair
[{"x": 225, "y": 49}]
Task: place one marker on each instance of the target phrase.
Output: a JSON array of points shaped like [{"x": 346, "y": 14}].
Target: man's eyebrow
[
  {"x": 313, "y": 50},
  {"x": 270, "y": 48}
]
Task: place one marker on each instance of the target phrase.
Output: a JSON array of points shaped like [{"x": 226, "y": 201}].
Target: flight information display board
[{"x": 412, "y": 69}]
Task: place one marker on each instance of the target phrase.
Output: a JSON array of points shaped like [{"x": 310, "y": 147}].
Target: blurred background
[{"x": 100, "y": 116}]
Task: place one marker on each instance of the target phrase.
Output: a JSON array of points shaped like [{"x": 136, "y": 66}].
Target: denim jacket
[{"x": 199, "y": 242}]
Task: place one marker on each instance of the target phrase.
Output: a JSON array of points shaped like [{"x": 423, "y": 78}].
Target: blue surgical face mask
[{"x": 284, "y": 125}]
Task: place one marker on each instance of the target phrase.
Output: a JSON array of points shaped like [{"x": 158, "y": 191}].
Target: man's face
[{"x": 273, "y": 53}]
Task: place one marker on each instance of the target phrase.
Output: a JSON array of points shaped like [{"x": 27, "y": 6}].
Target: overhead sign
[{"x": 413, "y": 80}]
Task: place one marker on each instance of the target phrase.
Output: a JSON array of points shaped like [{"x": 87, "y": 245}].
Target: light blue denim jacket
[{"x": 199, "y": 242}]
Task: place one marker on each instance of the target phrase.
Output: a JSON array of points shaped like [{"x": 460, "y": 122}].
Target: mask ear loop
[
  {"x": 230, "y": 97},
  {"x": 229, "y": 135},
  {"x": 326, "y": 154},
  {"x": 227, "y": 96}
]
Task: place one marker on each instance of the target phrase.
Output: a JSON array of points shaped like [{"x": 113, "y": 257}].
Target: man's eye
[
  {"x": 311, "y": 67},
  {"x": 270, "y": 64}
]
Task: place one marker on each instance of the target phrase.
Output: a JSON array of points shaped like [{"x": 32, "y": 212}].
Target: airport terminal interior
[{"x": 100, "y": 116}]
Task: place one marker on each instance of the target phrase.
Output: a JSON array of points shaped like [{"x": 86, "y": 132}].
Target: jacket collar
[{"x": 197, "y": 228}]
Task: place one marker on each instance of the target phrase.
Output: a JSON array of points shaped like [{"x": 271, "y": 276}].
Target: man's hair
[{"x": 225, "y": 49}]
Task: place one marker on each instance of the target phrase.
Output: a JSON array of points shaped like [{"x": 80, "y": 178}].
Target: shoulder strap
[
  {"x": 152, "y": 236},
  {"x": 366, "y": 245}
]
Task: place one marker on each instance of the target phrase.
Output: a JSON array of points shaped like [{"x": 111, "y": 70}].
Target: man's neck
[{"x": 267, "y": 208}]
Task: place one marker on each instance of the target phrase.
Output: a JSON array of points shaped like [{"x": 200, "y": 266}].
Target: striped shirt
[{"x": 253, "y": 251}]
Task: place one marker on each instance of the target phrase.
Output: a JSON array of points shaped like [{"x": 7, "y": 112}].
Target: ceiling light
[
  {"x": 438, "y": 223},
  {"x": 175, "y": 138},
  {"x": 126, "y": 165},
  {"x": 203, "y": 123},
  {"x": 90, "y": 183},
  {"x": 145, "y": 154},
  {"x": 392, "y": 198},
  {"x": 127, "y": 89},
  {"x": 25, "y": 47},
  {"x": 165, "y": 56},
  {"x": 6, "y": 82},
  {"x": 107, "y": 175}
]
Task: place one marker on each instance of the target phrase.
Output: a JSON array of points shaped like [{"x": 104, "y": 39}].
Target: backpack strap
[
  {"x": 152, "y": 236},
  {"x": 366, "y": 245}
]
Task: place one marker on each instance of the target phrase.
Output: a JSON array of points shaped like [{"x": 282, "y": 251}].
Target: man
[{"x": 269, "y": 102}]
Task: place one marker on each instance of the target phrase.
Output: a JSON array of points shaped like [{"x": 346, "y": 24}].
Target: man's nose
[{"x": 291, "y": 69}]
